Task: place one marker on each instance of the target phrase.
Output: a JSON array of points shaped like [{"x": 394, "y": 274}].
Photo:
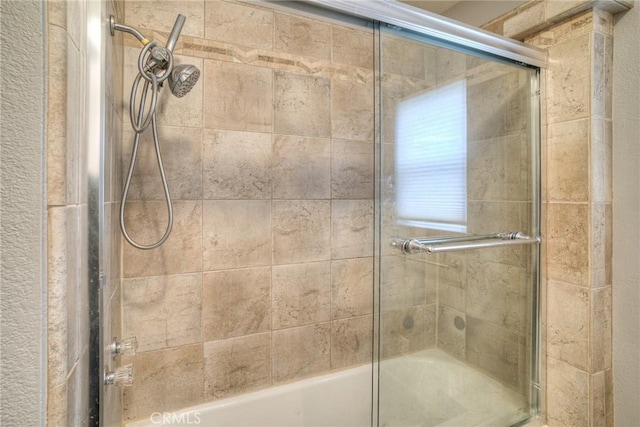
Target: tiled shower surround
[{"x": 267, "y": 275}]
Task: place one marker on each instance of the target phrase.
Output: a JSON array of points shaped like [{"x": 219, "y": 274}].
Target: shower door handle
[{"x": 450, "y": 244}]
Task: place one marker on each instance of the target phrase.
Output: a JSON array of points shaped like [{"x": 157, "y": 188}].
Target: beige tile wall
[
  {"x": 267, "y": 276},
  {"x": 577, "y": 211}
]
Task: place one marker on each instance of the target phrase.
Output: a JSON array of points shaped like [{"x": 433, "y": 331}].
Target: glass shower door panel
[{"x": 457, "y": 160}]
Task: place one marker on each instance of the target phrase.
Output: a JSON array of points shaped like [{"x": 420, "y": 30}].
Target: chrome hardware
[
  {"x": 122, "y": 376},
  {"x": 449, "y": 244},
  {"x": 126, "y": 347}
]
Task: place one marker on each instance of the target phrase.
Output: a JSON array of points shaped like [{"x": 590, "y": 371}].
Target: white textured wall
[
  {"x": 22, "y": 216},
  {"x": 626, "y": 218}
]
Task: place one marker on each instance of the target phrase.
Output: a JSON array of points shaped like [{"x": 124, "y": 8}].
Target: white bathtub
[{"x": 424, "y": 389}]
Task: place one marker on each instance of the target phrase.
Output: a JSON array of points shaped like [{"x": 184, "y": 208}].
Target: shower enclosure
[{"x": 356, "y": 198}]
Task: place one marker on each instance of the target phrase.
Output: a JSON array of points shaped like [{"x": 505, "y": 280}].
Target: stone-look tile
[
  {"x": 57, "y": 405},
  {"x": 517, "y": 168},
  {"x": 524, "y": 21},
  {"x": 602, "y": 76},
  {"x": 351, "y": 287},
  {"x": 608, "y": 381},
  {"x": 568, "y": 79},
  {"x": 392, "y": 94},
  {"x": 497, "y": 293},
  {"x": 181, "y": 150},
  {"x": 237, "y": 365},
  {"x": 302, "y": 36},
  {"x": 352, "y": 169},
  {"x": 600, "y": 253},
  {"x": 351, "y": 341},
  {"x": 486, "y": 169},
  {"x": 487, "y": 109},
  {"x": 518, "y": 101},
  {"x": 301, "y": 231},
  {"x": 601, "y": 339},
  {"x": 237, "y": 233},
  {"x": 568, "y": 243},
  {"x": 57, "y": 297},
  {"x": 301, "y": 168},
  {"x": 402, "y": 57},
  {"x": 352, "y": 46},
  {"x": 601, "y": 160},
  {"x": 235, "y": 303},
  {"x": 407, "y": 330},
  {"x": 450, "y": 65},
  {"x": 237, "y": 97},
  {"x": 555, "y": 8},
  {"x": 598, "y": 400},
  {"x": 236, "y": 165},
  {"x": 300, "y": 352},
  {"x": 567, "y": 394},
  {"x": 163, "y": 311},
  {"x": 302, "y": 105},
  {"x": 351, "y": 228},
  {"x": 75, "y": 265},
  {"x": 301, "y": 294},
  {"x": 402, "y": 283},
  {"x": 568, "y": 323},
  {"x": 56, "y": 115},
  {"x": 238, "y": 24},
  {"x": 452, "y": 281},
  {"x": 57, "y": 13},
  {"x": 161, "y": 15},
  {"x": 494, "y": 350},
  {"x": 451, "y": 333},
  {"x": 352, "y": 109},
  {"x": 568, "y": 161},
  {"x": 165, "y": 380},
  {"x": 180, "y": 253}
]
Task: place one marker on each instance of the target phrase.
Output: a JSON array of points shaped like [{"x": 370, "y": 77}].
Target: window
[{"x": 431, "y": 159}]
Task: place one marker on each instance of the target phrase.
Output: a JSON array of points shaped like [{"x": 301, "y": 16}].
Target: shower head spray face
[{"x": 182, "y": 79}]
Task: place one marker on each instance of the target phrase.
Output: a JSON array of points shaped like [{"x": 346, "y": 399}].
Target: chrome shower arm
[{"x": 114, "y": 26}]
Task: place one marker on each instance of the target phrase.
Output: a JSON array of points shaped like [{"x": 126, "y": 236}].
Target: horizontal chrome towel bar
[{"x": 449, "y": 244}]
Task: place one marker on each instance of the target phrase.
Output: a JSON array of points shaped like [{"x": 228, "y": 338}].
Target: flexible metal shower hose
[{"x": 139, "y": 125}]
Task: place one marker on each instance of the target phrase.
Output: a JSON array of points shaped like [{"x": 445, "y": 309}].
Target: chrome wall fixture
[
  {"x": 155, "y": 66},
  {"x": 449, "y": 244}
]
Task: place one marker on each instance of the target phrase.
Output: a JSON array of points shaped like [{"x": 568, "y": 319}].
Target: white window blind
[{"x": 431, "y": 159}]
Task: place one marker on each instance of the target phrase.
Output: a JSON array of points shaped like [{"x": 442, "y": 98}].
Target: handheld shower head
[{"x": 182, "y": 79}]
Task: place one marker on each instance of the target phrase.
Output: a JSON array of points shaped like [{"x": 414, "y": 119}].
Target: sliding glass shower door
[{"x": 459, "y": 203}]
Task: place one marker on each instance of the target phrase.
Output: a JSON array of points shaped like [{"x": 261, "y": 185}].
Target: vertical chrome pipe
[{"x": 175, "y": 32}]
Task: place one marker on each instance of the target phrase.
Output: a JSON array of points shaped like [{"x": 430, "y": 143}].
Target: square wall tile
[
  {"x": 486, "y": 169},
  {"x": 302, "y": 105},
  {"x": 160, "y": 15},
  {"x": 237, "y": 233},
  {"x": 302, "y": 36},
  {"x": 180, "y": 253},
  {"x": 568, "y": 243},
  {"x": 301, "y": 352},
  {"x": 351, "y": 341},
  {"x": 487, "y": 109},
  {"x": 237, "y": 97},
  {"x": 162, "y": 311},
  {"x": 568, "y": 323},
  {"x": 451, "y": 333},
  {"x": 351, "y": 287},
  {"x": 409, "y": 330},
  {"x": 352, "y": 169},
  {"x": 237, "y": 365},
  {"x": 238, "y": 24},
  {"x": 301, "y": 167},
  {"x": 567, "y": 394},
  {"x": 301, "y": 294},
  {"x": 403, "y": 57},
  {"x": 568, "y": 161},
  {"x": 301, "y": 231},
  {"x": 351, "y": 228},
  {"x": 181, "y": 150},
  {"x": 236, "y": 302},
  {"x": 601, "y": 339},
  {"x": 236, "y": 165},
  {"x": 352, "y": 46},
  {"x": 166, "y": 380},
  {"x": 352, "y": 109}
]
